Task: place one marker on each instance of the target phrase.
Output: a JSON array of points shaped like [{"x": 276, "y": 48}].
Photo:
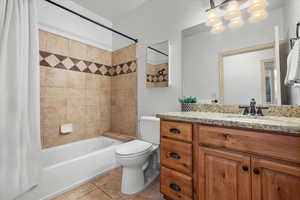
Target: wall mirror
[
  {"x": 238, "y": 64},
  {"x": 235, "y": 69},
  {"x": 157, "y": 71}
]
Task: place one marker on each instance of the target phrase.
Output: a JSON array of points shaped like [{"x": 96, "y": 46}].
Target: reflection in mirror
[
  {"x": 236, "y": 68},
  {"x": 268, "y": 72},
  {"x": 239, "y": 64},
  {"x": 158, "y": 65}
]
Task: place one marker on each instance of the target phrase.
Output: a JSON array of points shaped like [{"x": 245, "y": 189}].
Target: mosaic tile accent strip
[
  {"x": 157, "y": 78},
  {"x": 124, "y": 68},
  {"x": 48, "y": 59}
]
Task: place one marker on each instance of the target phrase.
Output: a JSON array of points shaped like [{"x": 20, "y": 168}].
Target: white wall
[
  {"x": 292, "y": 18},
  {"x": 201, "y": 49},
  {"x": 154, "y": 22},
  {"x": 58, "y": 21}
]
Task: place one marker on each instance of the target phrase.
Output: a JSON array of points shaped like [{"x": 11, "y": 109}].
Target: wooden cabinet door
[
  {"x": 223, "y": 175},
  {"x": 275, "y": 181}
]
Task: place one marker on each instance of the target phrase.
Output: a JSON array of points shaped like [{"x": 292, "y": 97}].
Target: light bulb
[
  {"x": 236, "y": 22},
  {"x": 258, "y": 16},
  {"x": 218, "y": 28},
  {"x": 213, "y": 18},
  {"x": 256, "y": 5},
  {"x": 233, "y": 10}
]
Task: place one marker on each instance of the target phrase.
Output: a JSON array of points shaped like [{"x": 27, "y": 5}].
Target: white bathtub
[{"x": 69, "y": 165}]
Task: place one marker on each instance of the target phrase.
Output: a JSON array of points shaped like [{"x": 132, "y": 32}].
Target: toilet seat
[{"x": 133, "y": 148}]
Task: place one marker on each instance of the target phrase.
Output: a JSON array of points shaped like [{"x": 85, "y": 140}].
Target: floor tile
[
  {"x": 79, "y": 192},
  {"x": 108, "y": 187},
  {"x": 96, "y": 195}
]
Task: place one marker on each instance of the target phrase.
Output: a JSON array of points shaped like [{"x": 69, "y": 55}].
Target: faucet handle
[
  {"x": 246, "y": 109},
  {"x": 259, "y": 110}
]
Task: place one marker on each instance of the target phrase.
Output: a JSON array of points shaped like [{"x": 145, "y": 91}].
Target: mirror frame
[{"x": 222, "y": 55}]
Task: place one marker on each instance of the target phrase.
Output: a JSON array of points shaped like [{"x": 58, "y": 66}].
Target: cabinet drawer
[
  {"x": 176, "y": 155},
  {"x": 176, "y": 130},
  {"x": 175, "y": 185},
  {"x": 255, "y": 142}
]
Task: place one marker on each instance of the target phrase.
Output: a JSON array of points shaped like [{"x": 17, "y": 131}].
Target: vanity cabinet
[
  {"x": 275, "y": 180},
  {"x": 176, "y": 154},
  {"x": 223, "y": 175},
  {"x": 211, "y": 163}
]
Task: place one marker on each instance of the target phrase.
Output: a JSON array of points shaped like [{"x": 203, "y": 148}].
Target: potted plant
[{"x": 187, "y": 103}]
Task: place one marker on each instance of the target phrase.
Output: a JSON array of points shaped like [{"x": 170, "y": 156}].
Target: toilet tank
[{"x": 150, "y": 129}]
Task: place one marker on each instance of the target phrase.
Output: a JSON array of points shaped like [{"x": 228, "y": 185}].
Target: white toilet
[{"x": 140, "y": 158}]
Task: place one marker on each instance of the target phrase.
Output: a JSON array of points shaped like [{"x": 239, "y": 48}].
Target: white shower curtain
[{"x": 19, "y": 98}]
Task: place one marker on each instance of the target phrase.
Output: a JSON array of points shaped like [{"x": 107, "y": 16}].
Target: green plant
[{"x": 188, "y": 100}]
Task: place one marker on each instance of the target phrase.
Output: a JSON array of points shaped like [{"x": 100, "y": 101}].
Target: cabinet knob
[
  {"x": 256, "y": 171},
  {"x": 175, "y": 187},
  {"x": 245, "y": 168},
  {"x": 175, "y": 131},
  {"x": 175, "y": 155}
]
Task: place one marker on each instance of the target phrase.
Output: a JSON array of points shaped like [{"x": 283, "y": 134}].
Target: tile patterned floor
[{"x": 108, "y": 187}]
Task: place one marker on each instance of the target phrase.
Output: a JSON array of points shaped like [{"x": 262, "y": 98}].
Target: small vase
[{"x": 186, "y": 107}]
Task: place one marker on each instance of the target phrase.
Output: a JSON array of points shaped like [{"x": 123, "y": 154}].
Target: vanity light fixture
[
  {"x": 257, "y": 10},
  {"x": 233, "y": 13}
]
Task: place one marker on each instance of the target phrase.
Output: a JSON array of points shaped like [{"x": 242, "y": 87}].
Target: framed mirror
[
  {"x": 249, "y": 72},
  {"x": 157, "y": 71},
  {"x": 239, "y": 64}
]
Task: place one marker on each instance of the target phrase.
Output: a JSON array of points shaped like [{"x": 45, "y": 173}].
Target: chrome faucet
[
  {"x": 254, "y": 110},
  {"x": 252, "y": 107}
]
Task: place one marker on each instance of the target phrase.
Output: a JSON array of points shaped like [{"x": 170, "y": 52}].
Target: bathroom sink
[{"x": 247, "y": 118}]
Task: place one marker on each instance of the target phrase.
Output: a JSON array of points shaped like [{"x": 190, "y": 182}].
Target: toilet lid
[{"x": 133, "y": 147}]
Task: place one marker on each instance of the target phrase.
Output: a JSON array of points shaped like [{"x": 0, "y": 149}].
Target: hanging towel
[{"x": 293, "y": 66}]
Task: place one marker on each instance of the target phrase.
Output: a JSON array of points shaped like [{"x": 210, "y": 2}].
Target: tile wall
[
  {"x": 124, "y": 94},
  {"x": 79, "y": 83}
]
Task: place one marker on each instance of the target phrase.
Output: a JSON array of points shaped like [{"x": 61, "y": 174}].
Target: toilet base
[
  {"x": 136, "y": 179},
  {"x": 133, "y": 180}
]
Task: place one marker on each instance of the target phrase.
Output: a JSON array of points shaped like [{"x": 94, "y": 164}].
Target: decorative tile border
[
  {"x": 53, "y": 60},
  {"x": 157, "y": 78}
]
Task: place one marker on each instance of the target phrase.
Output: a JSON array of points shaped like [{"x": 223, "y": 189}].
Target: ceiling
[{"x": 110, "y": 9}]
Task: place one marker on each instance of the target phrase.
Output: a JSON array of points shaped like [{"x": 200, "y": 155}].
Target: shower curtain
[{"x": 19, "y": 98}]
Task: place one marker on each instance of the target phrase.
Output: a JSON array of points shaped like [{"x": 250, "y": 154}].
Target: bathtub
[{"x": 69, "y": 165}]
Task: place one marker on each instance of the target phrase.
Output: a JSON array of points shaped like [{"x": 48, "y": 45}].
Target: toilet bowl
[{"x": 139, "y": 158}]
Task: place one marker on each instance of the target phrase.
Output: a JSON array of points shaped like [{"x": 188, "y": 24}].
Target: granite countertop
[{"x": 289, "y": 125}]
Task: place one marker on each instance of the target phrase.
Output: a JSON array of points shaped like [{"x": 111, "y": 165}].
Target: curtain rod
[
  {"x": 158, "y": 51},
  {"x": 90, "y": 20}
]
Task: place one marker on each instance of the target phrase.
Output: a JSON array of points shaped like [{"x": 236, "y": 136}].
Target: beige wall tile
[
  {"x": 57, "y": 44},
  {"x": 52, "y": 92},
  {"x": 75, "y": 79},
  {"x": 124, "y": 55},
  {"x": 78, "y": 50},
  {"x": 93, "y": 81},
  {"x": 99, "y": 55},
  {"x": 52, "y": 77},
  {"x": 43, "y": 35}
]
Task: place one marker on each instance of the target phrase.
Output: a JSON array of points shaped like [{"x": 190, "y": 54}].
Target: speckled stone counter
[
  {"x": 289, "y": 125},
  {"x": 273, "y": 110}
]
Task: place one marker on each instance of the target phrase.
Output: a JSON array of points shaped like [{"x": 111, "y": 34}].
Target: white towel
[{"x": 293, "y": 66}]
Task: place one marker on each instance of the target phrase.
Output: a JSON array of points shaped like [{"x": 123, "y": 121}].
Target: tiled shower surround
[{"x": 91, "y": 88}]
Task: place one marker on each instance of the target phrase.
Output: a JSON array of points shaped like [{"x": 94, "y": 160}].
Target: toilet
[{"x": 140, "y": 158}]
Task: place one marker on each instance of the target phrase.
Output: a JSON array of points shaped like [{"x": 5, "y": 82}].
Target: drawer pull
[
  {"x": 175, "y": 131},
  {"x": 256, "y": 171},
  {"x": 245, "y": 168},
  {"x": 175, "y": 155},
  {"x": 175, "y": 187}
]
